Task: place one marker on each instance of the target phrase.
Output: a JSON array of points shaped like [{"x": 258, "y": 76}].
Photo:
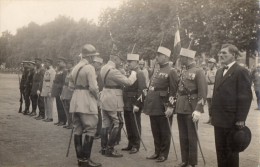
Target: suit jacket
[
  {"x": 37, "y": 80},
  {"x": 58, "y": 83},
  {"x": 232, "y": 97}
]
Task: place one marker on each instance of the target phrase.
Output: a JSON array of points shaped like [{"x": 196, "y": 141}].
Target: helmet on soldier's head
[{"x": 88, "y": 50}]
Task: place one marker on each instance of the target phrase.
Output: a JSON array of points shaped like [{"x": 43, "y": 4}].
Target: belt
[
  {"x": 113, "y": 87},
  {"x": 80, "y": 87},
  {"x": 184, "y": 93},
  {"x": 157, "y": 89}
]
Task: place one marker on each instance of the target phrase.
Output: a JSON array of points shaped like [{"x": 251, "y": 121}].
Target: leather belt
[
  {"x": 112, "y": 87},
  {"x": 188, "y": 93}
]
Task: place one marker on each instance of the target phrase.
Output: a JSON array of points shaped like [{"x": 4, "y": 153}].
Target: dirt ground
[{"x": 26, "y": 142}]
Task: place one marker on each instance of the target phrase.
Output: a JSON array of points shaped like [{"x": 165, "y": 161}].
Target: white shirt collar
[{"x": 231, "y": 64}]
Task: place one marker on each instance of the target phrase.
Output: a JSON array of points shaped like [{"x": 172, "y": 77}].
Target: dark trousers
[
  {"x": 225, "y": 156},
  {"x": 60, "y": 110},
  {"x": 38, "y": 101},
  {"x": 188, "y": 139},
  {"x": 66, "y": 103},
  {"x": 132, "y": 132},
  {"x": 99, "y": 125},
  {"x": 257, "y": 93},
  {"x": 27, "y": 100},
  {"x": 209, "y": 101},
  {"x": 161, "y": 134}
]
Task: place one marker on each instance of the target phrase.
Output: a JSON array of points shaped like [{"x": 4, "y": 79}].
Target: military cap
[
  {"x": 62, "y": 59},
  {"x": 31, "y": 62},
  {"x": 88, "y": 50},
  {"x": 188, "y": 53},
  {"x": 164, "y": 51},
  {"x": 24, "y": 62},
  {"x": 212, "y": 60},
  {"x": 133, "y": 57},
  {"x": 240, "y": 139},
  {"x": 98, "y": 59}
]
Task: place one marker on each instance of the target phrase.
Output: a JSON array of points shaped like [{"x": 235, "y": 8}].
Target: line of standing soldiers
[{"x": 128, "y": 92}]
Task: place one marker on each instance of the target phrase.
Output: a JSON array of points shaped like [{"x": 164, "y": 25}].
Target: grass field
[{"x": 26, "y": 142}]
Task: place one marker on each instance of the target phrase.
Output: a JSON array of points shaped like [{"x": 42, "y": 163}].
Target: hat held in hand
[{"x": 240, "y": 139}]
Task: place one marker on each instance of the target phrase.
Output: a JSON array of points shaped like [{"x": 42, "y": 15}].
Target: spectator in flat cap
[
  {"x": 57, "y": 86},
  {"x": 48, "y": 79}
]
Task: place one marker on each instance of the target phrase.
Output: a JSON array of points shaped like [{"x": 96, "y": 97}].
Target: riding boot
[
  {"x": 110, "y": 152},
  {"x": 78, "y": 145},
  {"x": 86, "y": 152},
  {"x": 104, "y": 139}
]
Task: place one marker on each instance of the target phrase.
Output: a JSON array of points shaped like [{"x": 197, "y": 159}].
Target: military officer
[
  {"x": 22, "y": 83},
  {"x": 210, "y": 77},
  {"x": 112, "y": 102},
  {"x": 57, "y": 86},
  {"x": 66, "y": 93},
  {"x": 48, "y": 78},
  {"x": 28, "y": 87},
  {"x": 97, "y": 63},
  {"x": 159, "y": 104},
  {"x": 83, "y": 105},
  {"x": 192, "y": 93},
  {"x": 133, "y": 104},
  {"x": 37, "y": 99}
]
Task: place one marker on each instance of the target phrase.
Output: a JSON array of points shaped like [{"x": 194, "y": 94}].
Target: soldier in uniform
[
  {"x": 22, "y": 83},
  {"x": 57, "y": 86},
  {"x": 83, "y": 105},
  {"x": 66, "y": 94},
  {"x": 133, "y": 102},
  {"x": 159, "y": 104},
  {"x": 28, "y": 87},
  {"x": 145, "y": 71},
  {"x": 37, "y": 99},
  {"x": 48, "y": 78},
  {"x": 97, "y": 63},
  {"x": 112, "y": 102},
  {"x": 210, "y": 77},
  {"x": 192, "y": 93}
]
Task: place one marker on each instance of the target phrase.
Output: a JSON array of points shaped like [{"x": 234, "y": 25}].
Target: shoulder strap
[
  {"x": 78, "y": 74},
  {"x": 106, "y": 77}
]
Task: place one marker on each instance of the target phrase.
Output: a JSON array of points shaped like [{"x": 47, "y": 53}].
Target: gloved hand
[
  {"x": 196, "y": 116},
  {"x": 169, "y": 111},
  {"x": 38, "y": 92},
  {"x": 240, "y": 124},
  {"x": 135, "y": 108}
]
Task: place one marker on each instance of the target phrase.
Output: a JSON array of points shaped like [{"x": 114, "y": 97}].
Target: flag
[{"x": 177, "y": 45}]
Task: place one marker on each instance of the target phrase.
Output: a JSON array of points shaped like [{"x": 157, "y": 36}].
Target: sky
[{"x": 15, "y": 14}]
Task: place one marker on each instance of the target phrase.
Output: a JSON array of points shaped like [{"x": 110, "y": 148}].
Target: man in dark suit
[{"x": 231, "y": 102}]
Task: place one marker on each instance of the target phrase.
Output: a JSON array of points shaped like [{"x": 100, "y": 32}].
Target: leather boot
[
  {"x": 110, "y": 152},
  {"x": 104, "y": 139},
  {"x": 86, "y": 152},
  {"x": 78, "y": 147}
]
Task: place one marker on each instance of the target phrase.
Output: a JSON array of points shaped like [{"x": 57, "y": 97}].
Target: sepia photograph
[{"x": 130, "y": 83}]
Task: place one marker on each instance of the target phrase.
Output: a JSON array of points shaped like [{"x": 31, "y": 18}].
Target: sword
[
  {"x": 172, "y": 137},
  {"x": 196, "y": 127},
  {"x": 138, "y": 131}
]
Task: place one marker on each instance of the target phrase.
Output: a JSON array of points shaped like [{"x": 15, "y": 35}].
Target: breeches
[{"x": 84, "y": 123}]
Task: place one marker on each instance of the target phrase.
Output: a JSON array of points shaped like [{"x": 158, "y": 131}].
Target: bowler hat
[{"x": 239, "y": 139}]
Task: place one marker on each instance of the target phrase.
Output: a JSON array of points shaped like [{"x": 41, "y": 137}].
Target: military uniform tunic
[
  {"x": 163, "y": 85},
  {"x": 192, "y": 93},
  {"x": 133, "y": 95}
]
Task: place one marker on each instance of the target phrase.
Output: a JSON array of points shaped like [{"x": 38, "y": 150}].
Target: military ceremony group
[{"x": 97, "y": 99}]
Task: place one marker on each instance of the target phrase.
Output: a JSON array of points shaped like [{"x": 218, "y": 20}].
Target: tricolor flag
[{"x": 177, "y": 45}]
